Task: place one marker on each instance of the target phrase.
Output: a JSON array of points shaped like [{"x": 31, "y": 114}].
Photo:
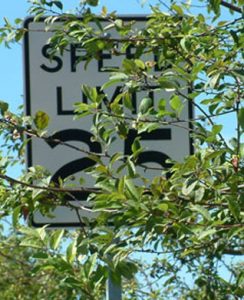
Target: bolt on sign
[{"x": 53, "y": 86}]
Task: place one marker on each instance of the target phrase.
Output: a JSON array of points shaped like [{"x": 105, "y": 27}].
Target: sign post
[{"x": 114, "y": 292}]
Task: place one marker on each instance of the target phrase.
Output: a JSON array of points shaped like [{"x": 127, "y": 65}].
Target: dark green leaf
[
  {"x": 59, "y": 4},
  {"x": 234, "y": 207},
  {"x": 15, "y": 216},
  {"x": 131, "y": 168},
  {"x": 241, "y": 117},
  {"x": 136, "y": 146},
  {"x": 3, "y": 107},
  {"x": 40, "y": 255},
  {"x": 92, "y": 2}
]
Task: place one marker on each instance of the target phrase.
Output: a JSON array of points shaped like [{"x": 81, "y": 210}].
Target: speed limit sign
[{"x": 54, "y": 85}]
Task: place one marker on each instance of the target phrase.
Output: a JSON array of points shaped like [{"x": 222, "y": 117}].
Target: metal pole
[{"x": 114, "y": 291}]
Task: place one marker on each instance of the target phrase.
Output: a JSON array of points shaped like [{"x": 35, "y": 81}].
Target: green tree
[{"x": 189, "y": 217}]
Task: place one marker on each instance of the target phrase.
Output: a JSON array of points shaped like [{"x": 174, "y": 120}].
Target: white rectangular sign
[{"x": 54, "y": 86}]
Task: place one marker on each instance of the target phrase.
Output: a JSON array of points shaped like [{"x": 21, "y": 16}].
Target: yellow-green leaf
[{"x": 41, "y": 120}]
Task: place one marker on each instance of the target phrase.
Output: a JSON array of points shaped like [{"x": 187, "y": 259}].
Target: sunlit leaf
[{"x": 41, "y": 120}]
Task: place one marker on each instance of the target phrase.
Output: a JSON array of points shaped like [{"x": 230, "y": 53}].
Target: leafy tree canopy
[{"x": 188, "y": 218}]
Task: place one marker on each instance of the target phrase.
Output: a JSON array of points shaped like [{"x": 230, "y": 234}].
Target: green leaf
[
  {"x": 72, "y": 282},
  {"x": 169, "y": 86},
  {"x": 148, "y": 127},
  {"x": 40, "y": 255},
  {"x": 15, "y": 216},
  {"x": 215, "y": 5},
  {"x": 126, "y": 269},
  {"x": 56, "y": 238},
  {"x": 183, "y": 43},
  {"x": 216, "y": 129},
  {"x": 199, "y": 194},
  {"x": 36, "y": 193},
  {"x": 92, "y": 2},
  {"x": 202, "y": 211},
  {"x": 122, "y": 130},
  {"x": 234, "y": 36},
  {"x": 128, "y": 101},
  {"x": 198, "y": 67},
  {"x": 42, "y": 232},
  {"x": 110, "y": 83},
  {"x": 92, "y": 264},
  {"x": 176, "y": 104},
  {"x": 31, "y": 243},
  {"x": 3, "y": 107},
  {"x": 140, "y": 64},
  {"x": 234, "y": 208},
  {"x": 71, "y": 252},
  {"x": 41, "y": 120},
  {"x": 214, "y": 80},
  {"x": 145, "y": 105},
  {"x": 162, "y": 105},
  {"x": 129, "y": 65},
  {"x": 81, "y": 107},
  {"x": 131, "y": 168},
  {"x": 121, "y": 185},
  {"x": 58, "y": 4},
  {"x": 241, "y": 117},
  {"x": 163, "y": 207},
  {"x": 178, "y": 9},
  {"x": 206, "y": 233},
  {"x": 136, "y": 146},
  {"x": 89, "y": 92},
  {"x": 242, "y": 150},
  {"x": 133, "y": 191},
  {"x": 189, "y": 186},
  {"x": 115, "y": 157},
  {"x": 119, "y": 75},
  {"x": 118, "y": 23}
]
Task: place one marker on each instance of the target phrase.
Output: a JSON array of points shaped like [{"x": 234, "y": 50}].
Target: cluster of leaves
[
  {"x": 32, "y": 267},
  {"x": 191, "y": 213}
]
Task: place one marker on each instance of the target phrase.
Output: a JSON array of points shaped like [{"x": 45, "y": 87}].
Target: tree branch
[
  {"x": 49, "y": 139},
  {"x": 231, "y": 6},
  {"x": 48, "y": 188},
  {"x": 237, "y": 252}
]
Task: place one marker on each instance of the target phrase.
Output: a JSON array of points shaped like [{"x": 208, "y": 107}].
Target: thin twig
[{"x": 49, "y": 188}]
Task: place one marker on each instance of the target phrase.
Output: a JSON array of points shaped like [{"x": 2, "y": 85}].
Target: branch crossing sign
[{"x": 54, "y": 86}]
